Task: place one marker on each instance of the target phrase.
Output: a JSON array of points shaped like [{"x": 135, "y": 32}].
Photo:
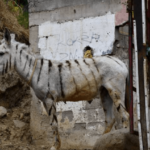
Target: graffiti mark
[
  {"x": 83, "y": 38},
  {"x": 68, "y": 41},
  {"x": 70, "y": 55},
  {"x": 63, "y": 56}
]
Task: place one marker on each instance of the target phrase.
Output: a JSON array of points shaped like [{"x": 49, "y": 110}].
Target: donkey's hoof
[{"x": 53, "y": 148}]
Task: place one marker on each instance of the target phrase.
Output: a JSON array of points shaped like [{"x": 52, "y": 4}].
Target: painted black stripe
[
  {"x": 4, "y": 47},
  {"x": 3, "y": 72},
  {"x": 114, "y": 60},
  {"x": 58, "y": 141},
  {"x": 15, "y": 63},
  {"x": 17, "y": 47},
  {"x": 54, "y": 108},
  {"x": 48, "y": 85},
  {"x": 91, "y": 72},
  {"x": 40, "y": 70},
  {"x": 10, "y": 62},
  {"x": 50, "y": 65},
  {"x": 49, "y": 69},
  {"x": 95, "y": 64},
  {"x": 45, "y": 106},
  {"x": 69, "y": 65},
  {"x": 76, "y": 62},
  {"x": 24, "y": 48},
  {"x": 118, "y": 108},
  {"x": 6, "y": 69},
  {"x": 61, "y": 84},
  {"x": 20, "y": 54},
  {"x": 30, "y": 61},
  {"x": 123, "y": 107},
  {"x": 27, "y": 57},
  {"x": 55, "y": 118},
  {"x": 82, "y": 73},
  {"x": 52, "y": 97},
  {"x": 90, "y": 101},
  {"x": 50, "y": 111},
  {"x": 120, "y": 105},
  {"x": 86, "y": 62}
]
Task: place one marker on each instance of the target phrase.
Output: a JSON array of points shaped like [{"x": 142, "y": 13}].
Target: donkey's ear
[{"x": 7, "y": 36}]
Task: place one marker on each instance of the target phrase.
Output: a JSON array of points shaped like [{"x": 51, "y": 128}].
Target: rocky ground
[
  {"x": 122, "y": 140},
  {"x": 15, "y": 124}
]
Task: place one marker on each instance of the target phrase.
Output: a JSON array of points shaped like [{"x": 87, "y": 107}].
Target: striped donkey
[{"x": 73, "y": 80}]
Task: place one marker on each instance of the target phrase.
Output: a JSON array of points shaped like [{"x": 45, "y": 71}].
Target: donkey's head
[
  {"x": 9, "y": 48},
  {"x": 5, "y": 52}
]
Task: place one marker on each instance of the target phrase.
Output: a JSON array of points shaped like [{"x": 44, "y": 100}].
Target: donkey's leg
[
  {"x": 54, "y": 124},
  {"x": 116, "y": 90},
  {"x": 50, "y": 106},
  {"x": 108, "y": 109}
]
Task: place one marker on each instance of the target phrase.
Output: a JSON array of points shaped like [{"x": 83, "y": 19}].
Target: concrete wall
[
  {"x": 80, "y": 119},
  {"x": 66, "y": 41},
  {"x": 63, "y": 11}
]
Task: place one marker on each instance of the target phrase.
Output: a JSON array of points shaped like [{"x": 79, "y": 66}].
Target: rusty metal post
[
  {"x": 130, "y": 66},
  {"x": 138, "y": 12},
  {"x": 148, "y": 41}
]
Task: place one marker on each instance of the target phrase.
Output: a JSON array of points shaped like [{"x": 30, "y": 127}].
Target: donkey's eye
[{"x": 1, "y": 53}]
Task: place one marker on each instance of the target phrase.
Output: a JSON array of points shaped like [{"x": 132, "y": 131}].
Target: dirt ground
[{"x": 15, "y": 128}]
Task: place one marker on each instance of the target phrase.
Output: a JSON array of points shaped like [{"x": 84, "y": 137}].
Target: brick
[
  {"x": 95, "y": 115},
  {"x": 124, "y": 30},
  {"x": 96, "y": 126},
  {"x": 34, "y": 39},
  {"x": 67, "y": 114},
  {"x": 80, "y": 126},
  {"x": 96, "y": 103}
]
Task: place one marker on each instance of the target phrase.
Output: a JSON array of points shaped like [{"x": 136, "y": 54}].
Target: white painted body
[
  {"x": 84, "y": 84},
  {"x": 75, "y": 80}
]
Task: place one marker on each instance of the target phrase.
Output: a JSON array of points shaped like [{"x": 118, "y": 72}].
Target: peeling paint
[
  {"x": 66, "y": 124},
  {"x": 121, "y": 16}
]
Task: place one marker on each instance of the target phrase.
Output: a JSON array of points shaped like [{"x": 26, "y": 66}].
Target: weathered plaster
[
  {"x": 65, "y": 41},
  {"x": 50, "y": 5},
  {"x": 121, "y": 16}
]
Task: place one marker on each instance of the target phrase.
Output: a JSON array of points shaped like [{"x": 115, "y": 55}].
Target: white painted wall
[{"x": 62, "y": 41}]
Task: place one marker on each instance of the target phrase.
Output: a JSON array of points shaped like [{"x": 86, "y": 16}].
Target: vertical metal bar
[
  {"x": 144, "y": 21},
  {"x": 141, "y": 55},
  {"x": 148, "y": 22},
  {"x": 130, "y": 68},
  {"x": 148, "y": 41},
  {"x": 146, "y": 101},
  {"x": 145, "y": 71},
  {"x": 137, "y": 87}
]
